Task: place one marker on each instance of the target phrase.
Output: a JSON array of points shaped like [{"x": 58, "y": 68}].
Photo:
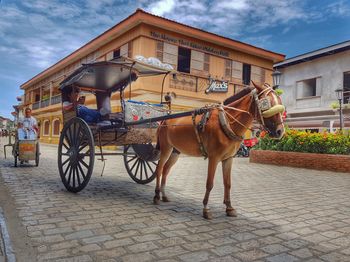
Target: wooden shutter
[
  {"x": 206, "y": 66},
  {"x": 237, "y": 68},
  {"x": 228, "y": 69},
  {"x": 170, "y": 54},
  {"x": 124, "y": 49},
  {"x": 159, "y": 50}
]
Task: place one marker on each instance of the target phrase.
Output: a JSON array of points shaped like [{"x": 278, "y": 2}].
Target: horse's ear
[{"x": 260, "y": 88}]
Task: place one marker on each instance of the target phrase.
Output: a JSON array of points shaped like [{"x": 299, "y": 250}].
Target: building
[
  {"x": 194, "y": 53},
  {"x": 309, "y": 82}
]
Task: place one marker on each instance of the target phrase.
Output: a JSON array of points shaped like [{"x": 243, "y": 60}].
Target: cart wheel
[
  {"x": 139, "y": 169},
  {"x": 76, "y": 152},
  {"x": 37, "y": 155},
  {"x": 16, "y": 160}
]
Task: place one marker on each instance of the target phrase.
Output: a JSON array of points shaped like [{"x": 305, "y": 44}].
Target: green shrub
[{"x": 304, "y": 141}]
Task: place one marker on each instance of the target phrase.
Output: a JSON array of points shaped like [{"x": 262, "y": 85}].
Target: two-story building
[
  {"x": 309, "y": 82},
  {"x": 194, "y": 53}
]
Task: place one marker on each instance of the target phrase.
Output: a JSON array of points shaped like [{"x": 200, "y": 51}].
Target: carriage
[
  {"x": 134, "y": 128},
  {"x": 24, "y": 149}
]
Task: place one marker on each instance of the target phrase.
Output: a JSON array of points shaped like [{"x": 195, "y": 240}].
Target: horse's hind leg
[
  {"x": 226, "y": 172},
  {"x": 164, "y": 156},
  {"x": 210, "y": 183},
  {"x": 168, "y": 165}
]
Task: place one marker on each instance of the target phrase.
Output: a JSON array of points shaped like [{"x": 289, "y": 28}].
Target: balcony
[
  {"x": 45, "y": 103},
  {"x": 56, "y": 99}
]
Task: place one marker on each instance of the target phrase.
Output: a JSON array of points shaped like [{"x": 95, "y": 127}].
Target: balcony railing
[
  {"x": 45, "y": 103},
  {"x": 36, "y": 105},
  {"x": 56, "y": 99}
]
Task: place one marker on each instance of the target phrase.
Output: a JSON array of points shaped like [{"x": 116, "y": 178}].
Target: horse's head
[{"x": 269, "y": 110}]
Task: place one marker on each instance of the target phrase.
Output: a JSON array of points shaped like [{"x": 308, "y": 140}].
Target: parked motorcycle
[{"x": 243, "y": 151}]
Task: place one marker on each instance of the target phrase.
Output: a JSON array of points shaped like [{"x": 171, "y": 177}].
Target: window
[
  {"x": 206, "y": 63},
  {"x": 228, "y": 69},
  {"x": 184, "y": 60},
  {"x": 116, "y": 53},
  {"x": 56, "y": 127},
  {"x": 346, "y": 84},
  {"x": 246, "y": 74},
  {"x": 46, "y": 128},
  {"x": 307, "y": 88}
]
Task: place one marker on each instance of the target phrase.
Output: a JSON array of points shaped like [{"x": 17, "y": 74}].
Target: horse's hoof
[
  {"x": 231, "y": 212},
  {"x": 156, "y": 200},
  {"x": 165, "y": 199},
  {"x": 207, "y": 214}
]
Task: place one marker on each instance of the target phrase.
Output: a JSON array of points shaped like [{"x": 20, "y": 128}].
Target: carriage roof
[{"x": 110, "y": 75}]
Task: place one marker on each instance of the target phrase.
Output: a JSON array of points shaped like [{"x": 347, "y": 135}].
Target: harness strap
[
  {"x": 226, "y": 127},
  {"x": 200, "y": 142}
]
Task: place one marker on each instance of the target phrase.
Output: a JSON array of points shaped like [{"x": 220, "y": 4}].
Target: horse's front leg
[
  {"x": 166, "y": 170},
  {"x": 210, "y": 183},
  {"x": 164, "y": 156},
  {"x": 226, "y": 172}
]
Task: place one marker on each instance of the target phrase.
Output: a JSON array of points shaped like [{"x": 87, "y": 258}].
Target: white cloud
[{"x": 162, "y": 7}]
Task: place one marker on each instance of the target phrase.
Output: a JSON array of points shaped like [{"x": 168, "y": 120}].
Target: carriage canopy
[{"x": 110, "y": 76}]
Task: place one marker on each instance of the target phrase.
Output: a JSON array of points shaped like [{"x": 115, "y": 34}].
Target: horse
[{"x": 219, "y": 138}]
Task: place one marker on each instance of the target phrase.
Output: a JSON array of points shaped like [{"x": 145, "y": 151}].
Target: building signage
[
  {"x": 216, "y": 86},
  {"x": 190, "y": 44}
]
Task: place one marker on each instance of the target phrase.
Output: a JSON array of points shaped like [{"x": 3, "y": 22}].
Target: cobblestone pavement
[{"x": 285, "y": 214}]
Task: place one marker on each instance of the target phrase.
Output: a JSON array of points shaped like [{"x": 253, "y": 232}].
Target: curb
[{"x": 5, "y": 243}]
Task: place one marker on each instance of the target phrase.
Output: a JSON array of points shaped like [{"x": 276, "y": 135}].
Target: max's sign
[{"x": 217, "y": 87}]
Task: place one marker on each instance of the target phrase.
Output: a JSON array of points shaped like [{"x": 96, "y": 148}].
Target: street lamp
[
  {"x": 339, "y": 93},
  {"x": 276, "y": 78}
]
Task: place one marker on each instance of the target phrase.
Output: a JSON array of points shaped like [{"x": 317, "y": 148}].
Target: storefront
[{"x": 202, "y": 60}]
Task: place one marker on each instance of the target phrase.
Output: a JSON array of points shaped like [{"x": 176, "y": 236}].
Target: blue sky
[{"x": 35, "y": 34}]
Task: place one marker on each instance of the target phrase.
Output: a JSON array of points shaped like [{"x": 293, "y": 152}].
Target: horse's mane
[{"x": 237, "y": 96}]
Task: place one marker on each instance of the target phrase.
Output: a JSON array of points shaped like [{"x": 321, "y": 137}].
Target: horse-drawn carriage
[
  {"x": 134, "y": 128},
  {"x": 214, "y": 132}
]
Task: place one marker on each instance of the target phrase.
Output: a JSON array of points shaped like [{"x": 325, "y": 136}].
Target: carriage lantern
[{"x": 276, "y": 78}]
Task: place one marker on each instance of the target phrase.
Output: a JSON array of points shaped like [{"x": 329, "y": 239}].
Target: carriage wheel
[
  {"x": 37, "y": 154},
  {"x": 139, "y": 169},
  {"x": 14, "y": 152},
  {"x": 76, "y": 152}
]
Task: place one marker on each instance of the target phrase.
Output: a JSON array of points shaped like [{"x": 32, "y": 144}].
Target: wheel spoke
[
  {"x": 131, "y": 159},
  {"x": 67, "y": 169},
  {"x": 73, "y": 177},
  {"x": 65, "y": 146},
  {"x": 65, "y": 161},
  {"x": 145, "y": 166},
  {"x": 134, "y": 164},
  {"x": 141, "y": 170},
  {"x": 81, "y": 170},
  {"x": 152, "y": 170},
  {"x": 78, "y": 177},
  {"x": 66, "y": 136},
  {"x": 137, "y": 168},
  {"x": 84, "y": 164},
  {"x": 70, "y": 175}
]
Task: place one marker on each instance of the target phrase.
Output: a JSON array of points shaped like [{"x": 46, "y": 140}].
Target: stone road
[{"x": 284, "y": 214}]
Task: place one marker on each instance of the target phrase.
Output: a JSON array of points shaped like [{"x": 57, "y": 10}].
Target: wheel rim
[
  {"x": 139, "y": 170},
  {"x": 76, "y": 155}
]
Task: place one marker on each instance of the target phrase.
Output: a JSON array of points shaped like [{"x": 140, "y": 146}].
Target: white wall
[{"x": 329, "y": 73}]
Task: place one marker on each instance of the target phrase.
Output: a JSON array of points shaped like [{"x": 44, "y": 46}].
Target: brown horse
[{"x": 218, "y": 142}]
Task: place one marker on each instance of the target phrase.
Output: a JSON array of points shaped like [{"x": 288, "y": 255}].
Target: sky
[{"x": 35, "y": 34}]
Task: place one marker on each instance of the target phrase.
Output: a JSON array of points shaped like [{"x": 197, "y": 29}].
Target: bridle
[{"x": 263, "y": 107}]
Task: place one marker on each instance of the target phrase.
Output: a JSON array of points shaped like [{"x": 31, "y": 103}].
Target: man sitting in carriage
[
  {"x": 71, "y": 101},
  {"x": 27, "y": 127}
]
